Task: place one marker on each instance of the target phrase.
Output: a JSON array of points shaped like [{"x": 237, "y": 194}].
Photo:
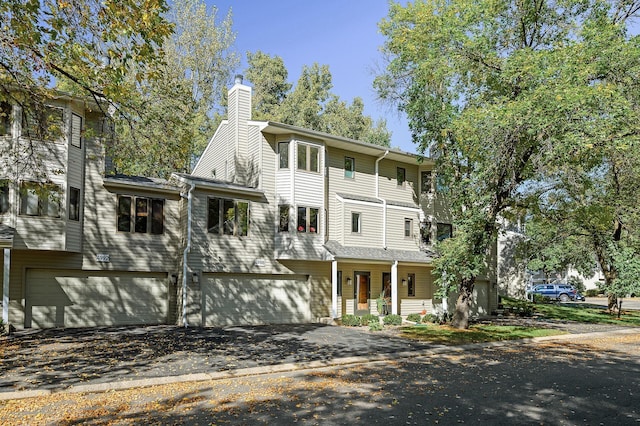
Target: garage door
[
  {"x": 255, "y": 299},
  {"x": 61, "y": 298}
]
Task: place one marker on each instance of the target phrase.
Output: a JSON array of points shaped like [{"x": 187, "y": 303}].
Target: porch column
[
  {"x": 394, "y": 288},
  {"x": 5, "y": 286},
  {"x": 334, "y": 289}
]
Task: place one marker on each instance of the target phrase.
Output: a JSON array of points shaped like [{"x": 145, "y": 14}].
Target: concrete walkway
[{"x": 37, "y": 363}]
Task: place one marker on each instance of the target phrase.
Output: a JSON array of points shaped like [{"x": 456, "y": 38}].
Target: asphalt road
[
  {"x": 627, "y": 302},
  {"x": 578, "y": 380}
]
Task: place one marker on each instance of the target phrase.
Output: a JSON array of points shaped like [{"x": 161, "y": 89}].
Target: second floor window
[
  {"x": 44, "y": 124},
  {"x": 355, "y": 222},
  {"x": 308, "y": 157},
  {"x": 307, "y": 220},
  {"x": 426, "y": 179},
  {"x": 283, "y": 225},
  {"x": 425, "y": 232},
  {"x": 444, "y": 231},
  {"x": 76, "y": 130},
  {"x": 283, "y": 153},
  {"x": 5, "y": 118},
  {"x": 40, "y": 199},
  {"x": 408, "y": 228},
  {"x": 401, "y": 175},
  {"x": 4, "y": 196},
  {"x": 74, "y": 203},
  {"x": 349, "y": 167},
  {"x": 140, "y": 214},
  {"x": 228, "y": 217}
]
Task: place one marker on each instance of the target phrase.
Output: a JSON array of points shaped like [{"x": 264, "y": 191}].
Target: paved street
[
  {"x": 581, "y": 379},
  {"x": 627, "y": 302}
]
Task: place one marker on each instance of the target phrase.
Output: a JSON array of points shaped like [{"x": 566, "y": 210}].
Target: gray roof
[
  {"x": 141, "y": 182},
  {"x": 355, "y": 197},
  {"x": 220, "y": 185},
  {"x": 6, "y": 235},
  {"x": 367, "y": 253}
]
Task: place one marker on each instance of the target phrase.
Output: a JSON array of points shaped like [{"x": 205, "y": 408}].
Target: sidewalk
[{"x": 44, "y": 362}]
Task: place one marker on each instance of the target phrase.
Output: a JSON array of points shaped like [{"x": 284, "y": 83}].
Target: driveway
[{"x": 55, "y": 359}]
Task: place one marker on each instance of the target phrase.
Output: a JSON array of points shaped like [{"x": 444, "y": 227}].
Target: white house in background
[{"x": 275, "y": 224}]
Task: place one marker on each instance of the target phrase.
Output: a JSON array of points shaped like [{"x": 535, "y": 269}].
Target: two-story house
[{"x": 275, "y": 224}]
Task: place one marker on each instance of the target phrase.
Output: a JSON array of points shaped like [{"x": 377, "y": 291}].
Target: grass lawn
[
  {"x": 580, "y": 313},
  {"x": 446, "y": 335}
]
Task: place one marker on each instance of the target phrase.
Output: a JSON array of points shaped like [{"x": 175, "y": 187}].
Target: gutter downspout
[
  {"x": 384, "y": 202},
  {"x": 185, "y": 257}
]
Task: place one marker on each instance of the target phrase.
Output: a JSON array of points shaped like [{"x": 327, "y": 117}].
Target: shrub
[
  {"x": 375, "y": 326},
  {"x": 522, "y": 308},
  {"x": 351, "y": 320},
  {"x": 538, "y": 298},
  {"x": 592, "y": 292},
  {"x": 430, "y": 318},
  {"x": 2, "y": 328},
  {"x": 414, "y": 317},
  {"x": 392, "y": 319},
  {"x": 369, "y": 319}
]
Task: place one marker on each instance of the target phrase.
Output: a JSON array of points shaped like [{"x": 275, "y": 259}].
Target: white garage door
[
  {"x": 66, "y": 298},
  {"x": 255, "y": 299}
]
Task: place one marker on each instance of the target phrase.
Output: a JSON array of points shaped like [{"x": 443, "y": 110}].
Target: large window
[
  {"x": 228, "y": 217},
  {"x": 140, "y": 214},
  {"x": 74, "y": 203},
  {"x": 4, "y": 196},
  {"x": 355, "y": 222},
  {"x": 411, "y": 285},
  {"x": 426, "y": 179},
  {"x": 283, "y": 153},
  {"x": 283, "y": 225},
  {"x": 5, "y": 118},
  {"x": 349, "y": 167},
  {"x": 308, "y": 220},
  {"x": 40, "y": 199},
  {"x": 444, "y": 231},
  {"x": 408, "y": 228},
  {"x": 44, "y": 124},
  {"x": 401, "y": 175},
  {"x": 308, "y": 157}
]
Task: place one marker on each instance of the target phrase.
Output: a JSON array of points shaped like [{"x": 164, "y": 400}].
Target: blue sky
[{"x": 342, "y": 34}]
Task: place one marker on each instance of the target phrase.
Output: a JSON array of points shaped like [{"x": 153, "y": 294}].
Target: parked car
[
  {"x": 580, "y": 297},
  {"x": 562, "y": 292}
]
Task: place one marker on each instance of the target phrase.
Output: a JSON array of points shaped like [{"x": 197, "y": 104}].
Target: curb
[{"x": 289, "y": 367}]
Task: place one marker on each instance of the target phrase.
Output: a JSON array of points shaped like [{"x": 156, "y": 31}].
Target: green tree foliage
[
  {"x": 502, "y": 92},
  {"x": 177, "y": 111},
  {"x": 101, "y": 48},
  {"x": 310, "y": 104}
]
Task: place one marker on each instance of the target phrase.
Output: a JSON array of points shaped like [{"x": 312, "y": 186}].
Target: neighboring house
[{"x": 275, "y": 224}]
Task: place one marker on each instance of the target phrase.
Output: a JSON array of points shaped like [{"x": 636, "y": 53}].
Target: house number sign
[{"x": 102, "y": 257}]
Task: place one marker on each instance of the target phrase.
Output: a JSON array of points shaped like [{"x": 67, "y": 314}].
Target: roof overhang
[
  {"x": 138, "y": 183},
  {"x": 233, "y": 189}
]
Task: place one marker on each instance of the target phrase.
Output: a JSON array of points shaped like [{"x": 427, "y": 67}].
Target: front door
[{"x": 362, "y": 290}]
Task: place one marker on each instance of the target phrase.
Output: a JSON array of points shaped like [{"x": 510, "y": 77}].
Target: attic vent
[{"x": 238, "y": 79}]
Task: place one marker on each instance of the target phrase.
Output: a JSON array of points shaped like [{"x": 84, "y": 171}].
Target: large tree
[
  {"x": 101, "y": 48},
  {"x": 501, "y": 90},
  {"x": 178, "y": 109},
  {"x": 310, "y": 103}
]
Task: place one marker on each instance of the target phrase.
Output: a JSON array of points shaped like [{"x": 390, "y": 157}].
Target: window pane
[
  {"x": 425, "y": 182},
  {"x": 411, "y": 284},
  {"x": 29, "y": 203},
  {"x": 302, "y": 219},
  {"x": 142, "y": 214},
  {"x": 408, "y": 225},
  {"x": 124, "y": 214},
  {"x": 44, "y": 124},
  {"x": 355, "y": 222},
  {"x": 157, "y": 216},
  {"x": 284, "y": 219},
  {"x": 76, "y": 130},
  {"x": 444, "y": 231},
  {"x": 243, "y": 218},
  {"x": 229, "y": 217},
  {"x": 400, "y": 172},
  {"x": 5, "y": 118},
  {"x": 302, "y": 157},
  {"x": 313, "y": 158},
  {"x": 339, "y": 283},
  {"x": 425, "y": 232},
  {"x": 313, "y": 220},
  {"x": 283, "y": 150},
  {"x": 74, "y": 203},
  {"x": 50, "y": 205},
  {"x": 213, "y": 217},
  {"x": 349, "y": 167},
  {"x": 4, "y": 196}
]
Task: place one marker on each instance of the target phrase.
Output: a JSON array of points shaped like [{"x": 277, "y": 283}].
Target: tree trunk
[{"x": 463, "y": 303}]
